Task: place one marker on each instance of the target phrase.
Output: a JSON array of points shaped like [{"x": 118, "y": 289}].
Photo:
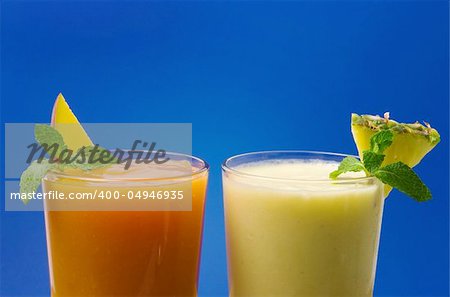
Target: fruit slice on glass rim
[
  {"x": 66, "y": 123},
  {"x": 410, "y": 144}
]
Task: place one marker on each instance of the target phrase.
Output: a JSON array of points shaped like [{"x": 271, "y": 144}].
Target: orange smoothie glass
[{"x": 126, "y": 253}]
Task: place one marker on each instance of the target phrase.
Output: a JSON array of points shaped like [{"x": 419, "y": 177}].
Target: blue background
[{"x": 249, "y": 76}]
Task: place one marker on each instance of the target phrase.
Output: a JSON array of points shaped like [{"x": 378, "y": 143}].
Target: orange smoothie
[{"x": 125, "y": 253}]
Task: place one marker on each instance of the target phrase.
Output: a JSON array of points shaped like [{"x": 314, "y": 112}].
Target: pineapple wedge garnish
[{"x": 411, "y": 141}]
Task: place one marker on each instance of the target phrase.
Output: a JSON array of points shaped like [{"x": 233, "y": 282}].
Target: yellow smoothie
[{"x": 293, "y": 232}]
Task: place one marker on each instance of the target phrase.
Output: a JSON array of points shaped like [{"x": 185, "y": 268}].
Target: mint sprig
[
  {"x": 372, "y": 161},
  {"x": 380, "y": 141},
  {"x": 403, "y": 178},
  {"x": 32, "y": 176},
  {"x": 397, "y": 175},
  {"x": 53, "y": 143},
  {"x": 347, "y": 164},
  {"x": 50, "y": 139}
]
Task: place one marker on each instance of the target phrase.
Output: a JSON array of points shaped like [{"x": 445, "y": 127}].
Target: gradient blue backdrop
[{"x": 249, "y": 76}]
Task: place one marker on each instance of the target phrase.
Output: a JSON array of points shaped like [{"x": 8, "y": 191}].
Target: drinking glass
[
  {"x": 299, "y": 236},
  {"x": 125, "y": 253}
]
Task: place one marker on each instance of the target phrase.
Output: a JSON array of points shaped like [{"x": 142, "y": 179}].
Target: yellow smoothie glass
[{"x": 291, "y": 231}]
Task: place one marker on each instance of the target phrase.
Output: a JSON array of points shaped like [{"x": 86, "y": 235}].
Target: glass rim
[
  {"x": 204, "y": 168},
  {"x": 228, "y": 169}
]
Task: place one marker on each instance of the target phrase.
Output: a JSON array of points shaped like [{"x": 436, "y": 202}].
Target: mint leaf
[
  {"x": 91, "y": 166},
  {"x": 50, "y": 139},
  {"x": 100, "y": 157},
  {"x": 86, "y": 158},
  {"x": 372, "y": 161},
  {"x": 92, "y": 157},
  {"x": 32, "y": 176},
  {"x": 347, "y": 164},
  {"x": 381, "y": 141},
  {"x": 400, "y": 176},
  {"x": 397, "y": 175}
]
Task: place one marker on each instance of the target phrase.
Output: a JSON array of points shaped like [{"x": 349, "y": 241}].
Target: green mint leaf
[
  {"x": 397, "y": 175},
  {"x": 92, "y": 158},
  {"x": 347, "y": 164},
  {"x": 101, "y": 158},
  {"x": 86, "y": 158},
  {"x": 403, "y": 178},
  {"x": 90, "y": 166},
  {"x": 372, "y": 161},
  {"x": 49, "y": 137},
  {"x": 381, "y": 141},
  {"x": 32, "y": 176}
]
